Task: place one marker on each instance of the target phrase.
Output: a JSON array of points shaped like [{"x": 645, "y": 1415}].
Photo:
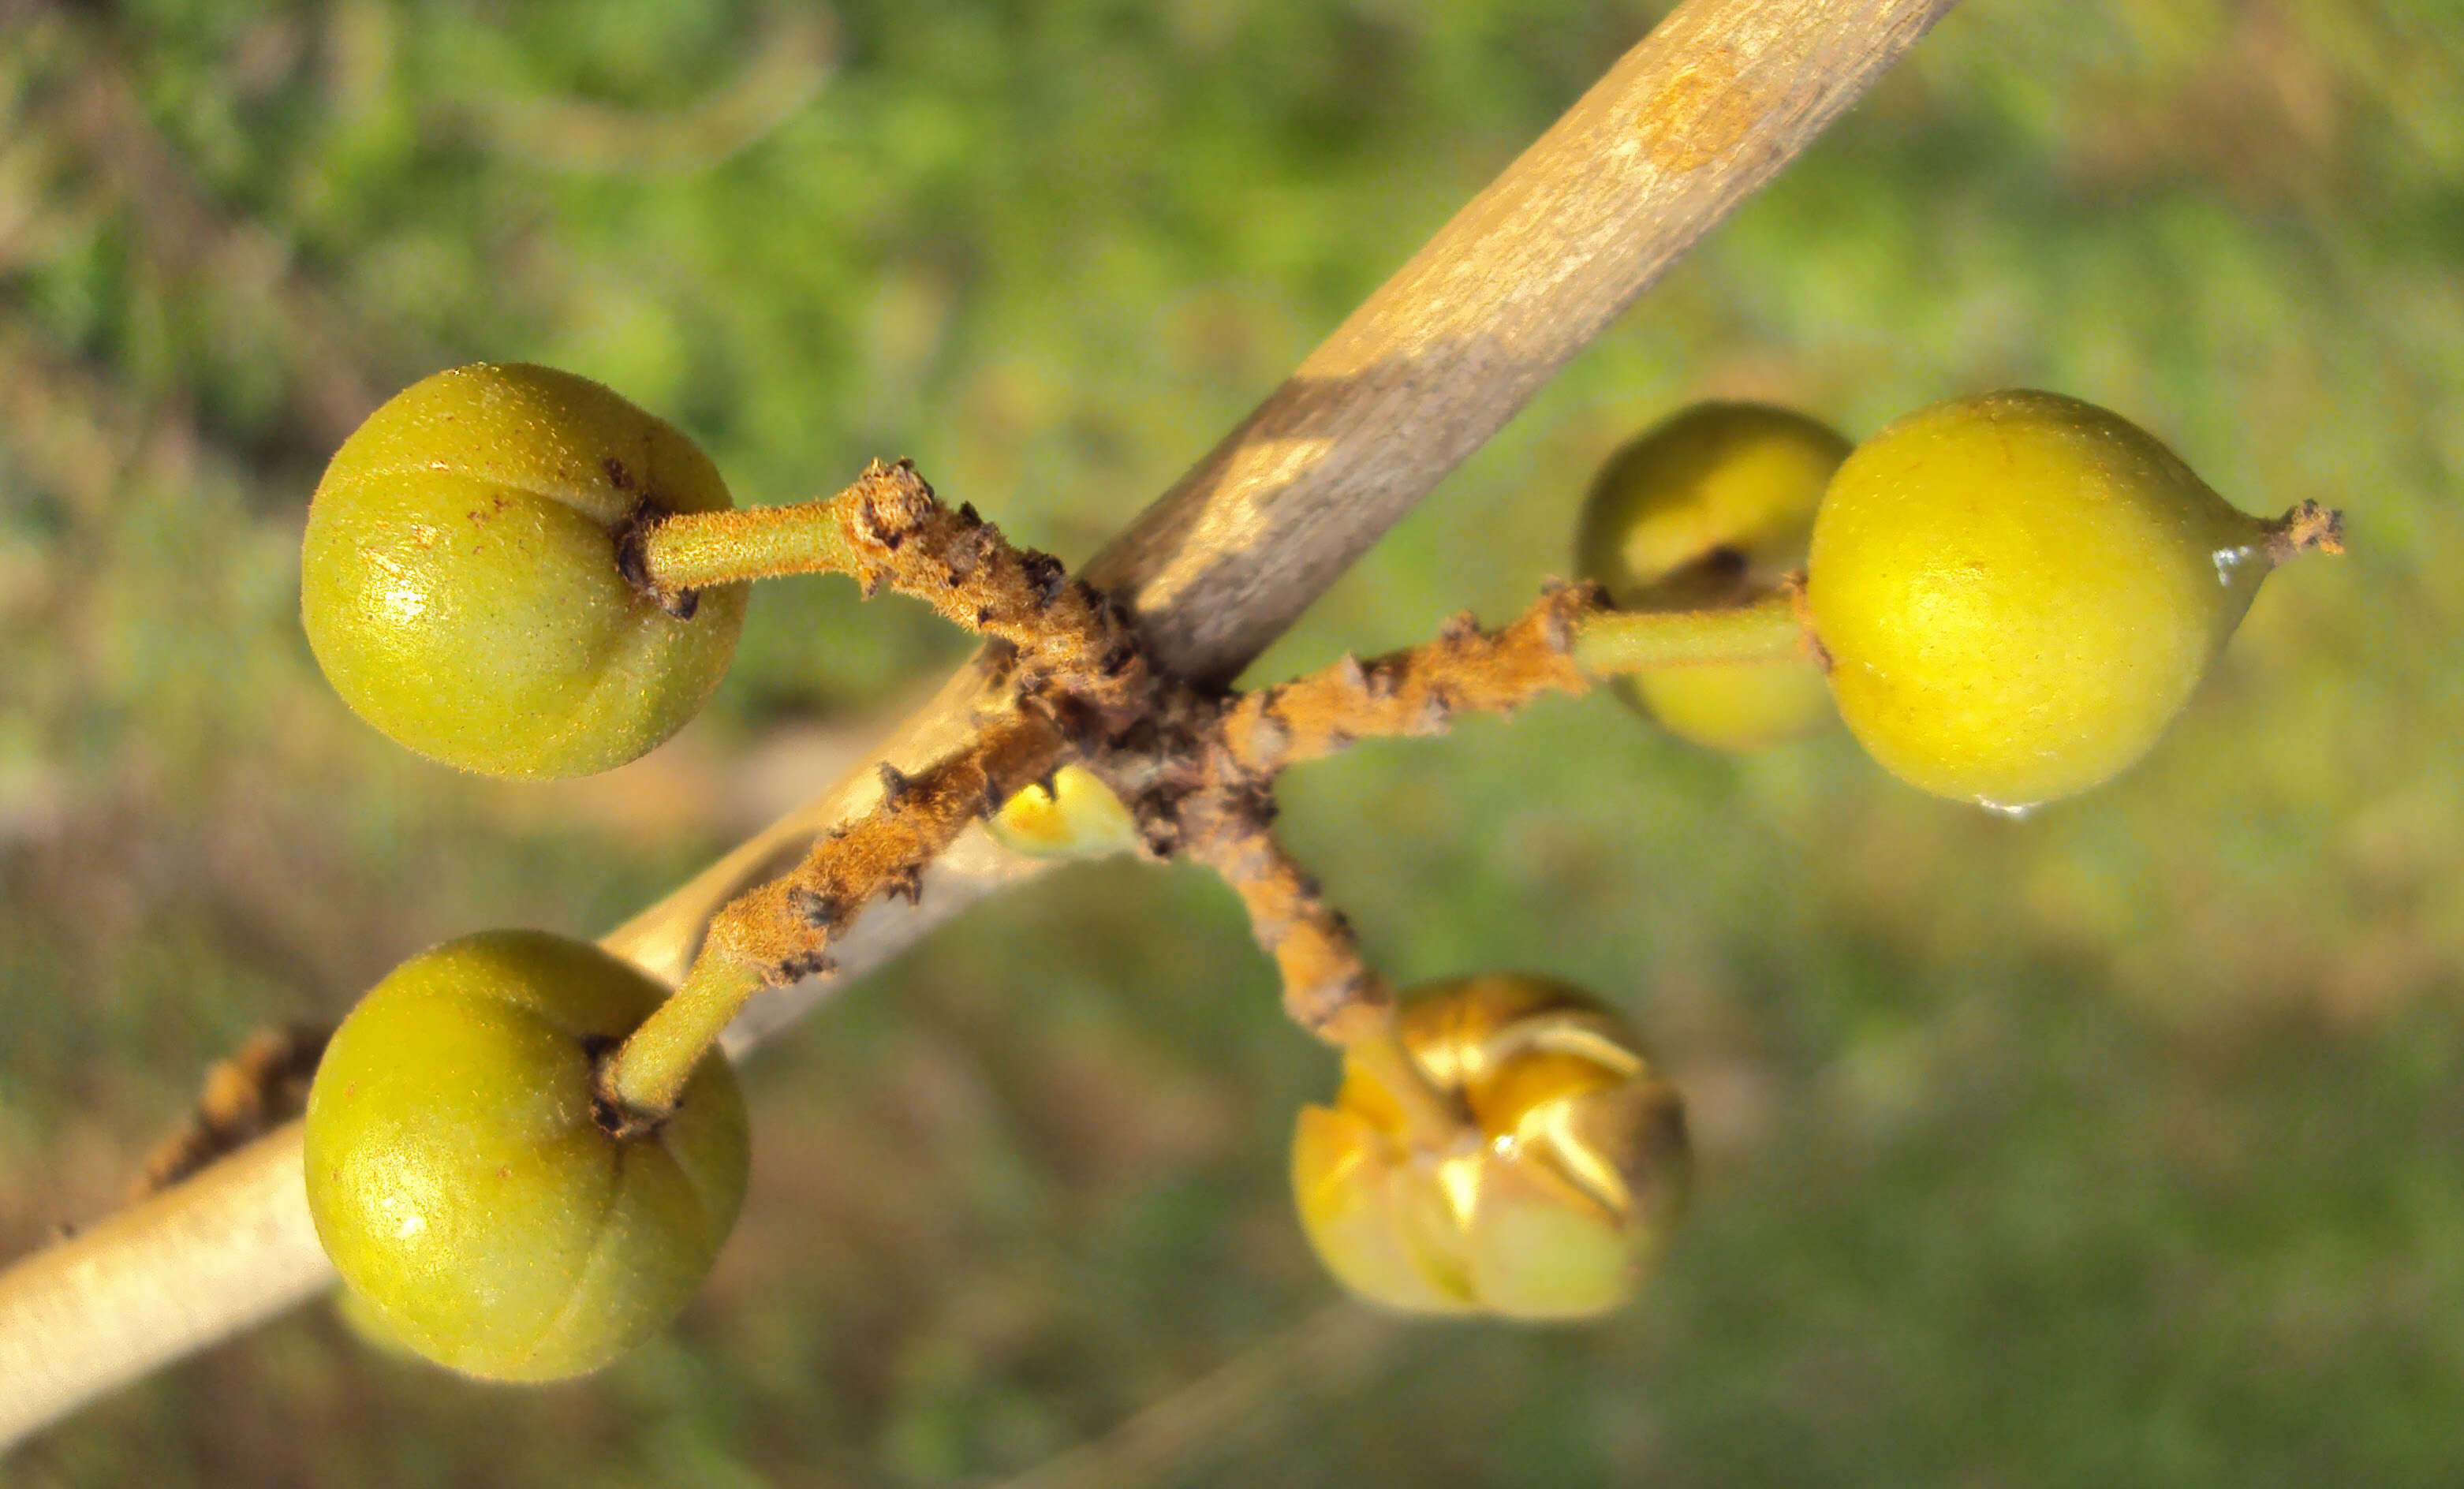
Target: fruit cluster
[
  {"x": 2009, "y": 596},
  {"x": 520, "y": 1153}
]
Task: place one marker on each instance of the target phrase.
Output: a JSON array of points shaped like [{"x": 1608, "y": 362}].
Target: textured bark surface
[{"x": 1416, "y": 691}]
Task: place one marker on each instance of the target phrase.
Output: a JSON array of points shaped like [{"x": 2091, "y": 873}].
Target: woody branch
[{"x": 1710, "y": 105}]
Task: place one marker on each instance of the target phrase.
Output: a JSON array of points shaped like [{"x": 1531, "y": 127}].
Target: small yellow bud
[{"x": 1078, "y": 818}]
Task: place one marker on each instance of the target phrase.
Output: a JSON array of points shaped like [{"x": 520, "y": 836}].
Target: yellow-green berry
[
  {"x": 476, "y": 1193},
  {"x": 2020, "y": 591},
  {"x": 1709, "y": 508},
  {"x": 463, "y": 586}
]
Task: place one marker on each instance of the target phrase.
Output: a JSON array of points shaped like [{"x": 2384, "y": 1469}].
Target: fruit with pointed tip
[{"x": 2020, "y": 591}]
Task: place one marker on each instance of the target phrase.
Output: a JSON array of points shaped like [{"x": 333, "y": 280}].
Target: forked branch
[{"x": 1708, "y": 108}]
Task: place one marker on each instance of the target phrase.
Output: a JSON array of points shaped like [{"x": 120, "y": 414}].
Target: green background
[{"x": 2124, "y": 1144}]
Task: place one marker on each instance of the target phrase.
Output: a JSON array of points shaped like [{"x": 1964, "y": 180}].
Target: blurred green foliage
[{"x": 2117, "y": 1145}]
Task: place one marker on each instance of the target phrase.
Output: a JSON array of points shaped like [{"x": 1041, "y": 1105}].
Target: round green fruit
[
  {"x": 1709, "y": 508},
  {"x": 460, "y": 581},
  {"x": 2020, "y": 591},
  {"x": 467, "y": 1184}
]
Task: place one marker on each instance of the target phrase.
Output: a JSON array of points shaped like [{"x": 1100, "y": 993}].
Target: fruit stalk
[
  {"x": 1568, "y": 637},
  {"x": 1769, "y": 629},
  {"x": 1328, "y": 989},
  {"x": 652, "y": 1068},
  {"x": 1416, "y": 691},
  {"x": 888, "y": 530},
  {"x": 694, "y": 550}
]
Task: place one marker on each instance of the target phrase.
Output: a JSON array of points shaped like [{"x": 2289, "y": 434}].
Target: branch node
[{"x": 818, "y": 912}]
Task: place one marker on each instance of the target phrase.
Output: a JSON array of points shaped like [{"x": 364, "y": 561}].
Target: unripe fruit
[
  {"x": 2019, "y": 592},
  {"x": 1708, "y": 507},
  {"x": 1551, "y": 1201},
  {"x": 1078, "y": 818},
  {"x": 460, "y": 581},
  {"x": 462, "y": 1179}
]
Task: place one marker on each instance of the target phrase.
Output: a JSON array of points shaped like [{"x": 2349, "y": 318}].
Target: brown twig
[
  {"x": 1416, "y": 691},
  {"x": 1329, "y": 988},
  {"x": 785, "y": 928},
  {"x": 1326, "y": 983},
  {"x": 889, "y": 530},
  {"x": 781, "y": 932}
]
